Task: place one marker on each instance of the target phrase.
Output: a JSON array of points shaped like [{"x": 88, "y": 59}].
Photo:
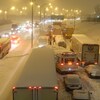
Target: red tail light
[
  {"x": 95, "y": 63},
  {"x": 77, "y": 63},
  {"x": 62, "y": 64},
  {"x": 14, "y": 36},
  {"x": 39, "y": 87},
  {"x": 14, "y": 88},
  {"x": 34, "y": 87},
  {"x": 69, "y": 63},
  {"x": 30, "y": 87},
  {"x": 56, "y": 87}
]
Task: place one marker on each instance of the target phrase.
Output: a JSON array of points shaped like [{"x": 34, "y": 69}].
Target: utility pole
[
  {"x": 74, "y": 21},
  {"x": 32, "y": 25}
]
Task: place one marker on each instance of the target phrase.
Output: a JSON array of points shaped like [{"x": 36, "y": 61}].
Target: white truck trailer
[
  {"x": 86, "y": 49},
  {"x": 38, "y": 79}
]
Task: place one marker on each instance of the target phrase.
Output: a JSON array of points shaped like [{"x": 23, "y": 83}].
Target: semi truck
[
  {"x": 86, "y": 49},
  {"x": 38, "y": 79},
  {"x": 57, "y": 28},
  {"x": 67, "y": 32}
]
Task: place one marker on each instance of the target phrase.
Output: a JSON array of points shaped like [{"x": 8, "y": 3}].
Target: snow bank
[{"x": 92, "y": 29}]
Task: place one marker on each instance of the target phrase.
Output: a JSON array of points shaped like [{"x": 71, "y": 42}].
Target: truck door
[
  {"x": 23, "y": 94},
  {"x": 47, "y": 94},
  {"x": 35, "y": 94}
]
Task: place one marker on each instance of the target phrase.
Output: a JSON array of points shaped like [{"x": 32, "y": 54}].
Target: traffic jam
[
  {"x": 77, "y": 64},
  {"x": 77, "y": 67},
  {"x": 79, "y": 70},
  {"x": 11, "y": 39}
]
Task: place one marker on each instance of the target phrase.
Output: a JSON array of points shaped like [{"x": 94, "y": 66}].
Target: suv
[
  {"x": 72, "y": 81},
  {"x": 67, "y": 62}
]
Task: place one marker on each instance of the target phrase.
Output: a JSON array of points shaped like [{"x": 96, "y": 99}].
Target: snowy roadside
[{"x": 91, "y": 29}]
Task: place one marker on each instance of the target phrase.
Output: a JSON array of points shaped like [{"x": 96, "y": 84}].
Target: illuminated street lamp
[
  {"x": 38, "y": 6},
  {"x": 12, "y": 8},
  {"x": 45, "y": 9},
  {"x": 0, "y": 13},
  {"x": 56, "y": 8},
  {"x": 20, "y": 12},
  {"x": 49, "y": 4}
]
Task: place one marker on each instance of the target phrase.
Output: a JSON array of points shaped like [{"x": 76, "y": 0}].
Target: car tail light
[
  {"x": 14, "y": 36},
  {"x": 95, "y": 63},
  {"x": 69, "y": 63},
  {"x": 77, "y": 63},
  {"x": 56, "y": 87},
  {"x": 39, "y": 87},
  {"x": 34, "y": 87},
  {"x": 30, "y": 87},
  {"x": 62, "y": 64},
  {"x": 14, "y": 88}
]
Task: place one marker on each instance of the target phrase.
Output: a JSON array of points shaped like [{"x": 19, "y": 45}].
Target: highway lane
[
  {"x": 12, "y": 64},
  {"x": 10, "y": 67}
]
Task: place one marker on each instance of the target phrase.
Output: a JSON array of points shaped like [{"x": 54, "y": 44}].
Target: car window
[{"x": 73, "y": 79}]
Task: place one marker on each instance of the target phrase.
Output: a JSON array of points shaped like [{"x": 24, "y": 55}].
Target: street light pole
[
  {"x": 40, "y": 13},
  {"x": 32, "y": 26},
  {"x": 74, "y": 21}
]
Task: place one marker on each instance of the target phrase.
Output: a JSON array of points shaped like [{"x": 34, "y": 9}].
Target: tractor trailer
[
  {"x": 85, "y": 48},
  {"x": 38, "y": 79}
]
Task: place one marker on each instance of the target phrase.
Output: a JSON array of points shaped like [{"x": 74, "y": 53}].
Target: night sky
[{"x": 84, "y": 5}]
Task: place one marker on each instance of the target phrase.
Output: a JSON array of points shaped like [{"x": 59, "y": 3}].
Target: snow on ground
[
  {"x": 58, "y": 49},
  {"x": 92, "y": 29}
]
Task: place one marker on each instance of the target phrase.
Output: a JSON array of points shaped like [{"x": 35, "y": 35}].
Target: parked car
[
  {"x": 80, "y": 95},
  {"x": 72, "y": 82},
  {"x": 93, "y": 70},
  {"x": 62, "y": 44}
]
